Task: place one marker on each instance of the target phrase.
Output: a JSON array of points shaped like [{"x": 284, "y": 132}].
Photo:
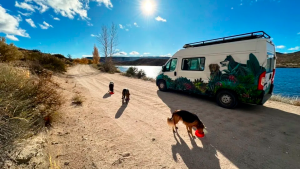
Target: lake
[{"x": 287, "y": 80}]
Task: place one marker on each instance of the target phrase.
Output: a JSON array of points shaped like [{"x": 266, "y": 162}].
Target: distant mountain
[
  {"x": 145, "y": 62},
  {"x": 289, "y": 60}
]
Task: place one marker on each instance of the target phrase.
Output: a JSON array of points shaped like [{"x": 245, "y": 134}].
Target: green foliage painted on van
[{"x": 238, "y": 77}]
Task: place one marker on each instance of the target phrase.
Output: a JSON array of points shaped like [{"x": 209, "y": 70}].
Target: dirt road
[{"x": 103, "y": 133}]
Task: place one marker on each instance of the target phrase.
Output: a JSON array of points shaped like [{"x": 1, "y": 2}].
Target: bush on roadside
[
  {"x": 25, "y": 103},
  {"x": 108, "y": 67},
  {"x": 9, "y": 52}
]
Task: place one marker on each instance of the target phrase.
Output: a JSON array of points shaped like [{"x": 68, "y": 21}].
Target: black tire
[
  {"x": 226, "y": 99},
  {"x": 162, "y": 85}
]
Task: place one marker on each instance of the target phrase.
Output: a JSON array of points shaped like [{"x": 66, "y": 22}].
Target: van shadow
[
  {"x": 121, "y": 110},
  {"x": 196, "y": 157},
  {"x": 250, "y": 136}
]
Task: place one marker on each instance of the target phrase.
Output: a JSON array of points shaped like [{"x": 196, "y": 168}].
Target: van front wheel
[
  {"x": 226, "y": 99},
  {"x": 162, "y": 85}
]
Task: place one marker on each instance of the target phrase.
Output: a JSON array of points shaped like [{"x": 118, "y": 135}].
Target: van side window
[
  {"x": 193, "y": 64},
  {"x": 171, "y": 65}
]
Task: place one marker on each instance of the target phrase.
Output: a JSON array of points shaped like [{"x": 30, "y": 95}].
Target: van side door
[{"x": 171, "y": 68}]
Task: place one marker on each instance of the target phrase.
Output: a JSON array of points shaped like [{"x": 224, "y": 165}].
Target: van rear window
[
  {"x": 193, "y": 64},
  {"x": 270, "y": 64}
]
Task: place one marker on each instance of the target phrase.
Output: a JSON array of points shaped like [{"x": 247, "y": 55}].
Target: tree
[
  {"x": 69, "y": 56},
  {"x": 108, "y": 40},
  {"x": 96, "y": 56}
]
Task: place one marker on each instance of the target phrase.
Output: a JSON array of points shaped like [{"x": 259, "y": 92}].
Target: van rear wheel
[
  {"x": 162, "y": 85},
  {"x": 227, "y": 99}
]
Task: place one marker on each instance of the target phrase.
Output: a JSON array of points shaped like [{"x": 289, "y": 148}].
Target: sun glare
[{"x": 148, "y": 7}]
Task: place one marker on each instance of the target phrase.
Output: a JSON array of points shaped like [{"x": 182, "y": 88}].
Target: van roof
[{"x": 234, "y": 38}]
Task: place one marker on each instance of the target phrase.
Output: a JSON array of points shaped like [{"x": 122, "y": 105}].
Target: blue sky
[{"x": 71, "y": 26}]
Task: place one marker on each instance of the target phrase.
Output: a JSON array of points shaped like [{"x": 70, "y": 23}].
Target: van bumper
[{"x": 267, "y": 96}]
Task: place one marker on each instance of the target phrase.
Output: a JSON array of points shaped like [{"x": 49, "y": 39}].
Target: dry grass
[
  {"x": 289, "y": 100},
  {"x": 53, "y": 163},
  {"x": 77, "y": 99},
  {"x": 26, "y": 104}
]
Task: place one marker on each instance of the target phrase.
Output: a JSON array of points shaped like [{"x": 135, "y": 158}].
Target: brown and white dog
[
  {"x": 189, "y": 119},
  {"x": 125, "y": 95}
]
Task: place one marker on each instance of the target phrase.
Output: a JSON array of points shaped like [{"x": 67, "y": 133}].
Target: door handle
[{"x": 175, "y": 73}]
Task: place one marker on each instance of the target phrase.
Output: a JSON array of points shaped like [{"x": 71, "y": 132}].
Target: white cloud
[
  {"x": 31, "y": 23},
  {"x": 56, "y": 19},
  {"x": 45, "y": 25},
  {"x": 87, "y": 55},
  {"x": 120, "y": 54},
  {"x": 135, "y": 24},
  {"x": 24, "y": 14},
  {"x": 12, "y": 37},
  {"x": 241, "y": 4},
  {"x": 167, "y": 55},
  {"x": 92, "y": 35},
  {"x": 25, "y": 6},
  {"x": 10, "y": 24},
  {"x": 160, "y": 19},
  {"x": 231, "y": 7},
  {"x": 129, "y": 25},
  {"x": 280, "y": 47},
  {"x": 67, "y": 8},
  {"x": 107, "y": 3},
  {"x": 42, "y": 7},
  {"x": 146, "y": 53},
  {"x": 127, "y": 29},
  {"x": 19, "y": 18},
  {"x": 89, "y": 24},
  {"x": 298, "y": 33},
  {"x": 134, "y": 53},
  {"x": 121, "y": 26},
  {"x": 295, "y": 48}
]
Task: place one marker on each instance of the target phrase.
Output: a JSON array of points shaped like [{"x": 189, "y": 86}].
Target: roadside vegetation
[
  {"x": 135, "y": 73},
  {"x": 28, "y": 96},
  {"x": 289, "y": 100}
]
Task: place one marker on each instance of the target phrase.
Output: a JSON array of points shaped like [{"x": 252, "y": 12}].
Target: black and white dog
[{"x": 111, "y": 87}]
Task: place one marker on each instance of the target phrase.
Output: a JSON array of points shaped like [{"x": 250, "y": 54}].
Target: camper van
[{"x": 234, "y": 69}]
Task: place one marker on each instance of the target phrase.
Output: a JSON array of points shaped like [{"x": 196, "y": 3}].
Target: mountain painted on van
[{"x": 238, "y": 77}]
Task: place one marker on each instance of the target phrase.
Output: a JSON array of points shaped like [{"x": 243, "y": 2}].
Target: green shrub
[
  {"x": 140, "y": 74},
  {"x": 132, "y": 71},
  {"x": 9, "y": 52}
]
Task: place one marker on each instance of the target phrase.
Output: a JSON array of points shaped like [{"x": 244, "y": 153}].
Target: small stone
[
  {"x": 126, "y": 154},
  {"x": 153, "y": 139},
  {"x": 66, "y": 163},
  {"x": 54, "y": 143}
]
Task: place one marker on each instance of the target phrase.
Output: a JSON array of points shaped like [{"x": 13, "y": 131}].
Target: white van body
[{"x": 219, "y": 55}]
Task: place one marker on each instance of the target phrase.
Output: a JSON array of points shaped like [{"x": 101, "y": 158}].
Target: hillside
[
  {"x": 144, "y": 62},
  {"x": 289, "y": 60}
]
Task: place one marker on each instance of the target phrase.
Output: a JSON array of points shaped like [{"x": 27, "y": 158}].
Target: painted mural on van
[{"x": 241, "y": 78}]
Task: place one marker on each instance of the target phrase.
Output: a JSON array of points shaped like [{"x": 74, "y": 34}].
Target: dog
[
  {"x": 111, "y": 87},
  {"x": 125, "y": 95},
  {"x": 189, "y": 119},
  {"x": 214, "y": 71}
]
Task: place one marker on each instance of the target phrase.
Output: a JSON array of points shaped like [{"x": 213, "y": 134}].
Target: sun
[{"x": 148, "y": 7}]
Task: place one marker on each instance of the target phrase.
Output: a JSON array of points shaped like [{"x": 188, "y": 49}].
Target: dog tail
[{"x": 170, "y": 122}]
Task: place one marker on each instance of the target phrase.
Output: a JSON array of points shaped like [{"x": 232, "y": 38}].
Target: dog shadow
[
  {"x": 106, "y": 95},
  {"x": 120, "y": 111},
  {"x": 195, "y": 157}
]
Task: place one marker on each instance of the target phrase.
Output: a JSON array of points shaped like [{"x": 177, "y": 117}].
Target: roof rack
[{"x": 234, "y": 38}]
